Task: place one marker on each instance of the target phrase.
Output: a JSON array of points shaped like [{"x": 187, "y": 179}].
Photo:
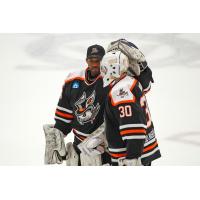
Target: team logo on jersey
[
  {"x": 76, "y": 84},
  {"x": 122, "y": 93},
  {"x": 86, "y": 110}
]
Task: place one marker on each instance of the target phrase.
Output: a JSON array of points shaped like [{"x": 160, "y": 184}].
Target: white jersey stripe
[
  {"x": 149, "y": 142},
  {"x": 133, "y": 126},
  {"x": 150, "y": 153},
  {"x": 64, "y": 109},
  {"x": 133, "y": 137},
  {"x": 117, "y": 150},
  {"x": 64, "y": 120},
  {"x": 114, "y": 160},
  {"x": 147, "y": 88}
]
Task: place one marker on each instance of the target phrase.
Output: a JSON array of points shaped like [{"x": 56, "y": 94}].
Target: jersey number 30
[{"x": 125, "y": 111}]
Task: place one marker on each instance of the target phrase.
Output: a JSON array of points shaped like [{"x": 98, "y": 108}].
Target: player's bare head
[
  {"x": 95, "y": 54},
  {"x": 113, "y": 65}
]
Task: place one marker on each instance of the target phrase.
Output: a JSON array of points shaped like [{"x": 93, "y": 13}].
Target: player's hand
[{"x": 146, "y": 79}]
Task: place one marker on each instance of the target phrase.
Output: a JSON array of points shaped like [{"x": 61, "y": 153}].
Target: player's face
[{"x": 94, "y": 66}]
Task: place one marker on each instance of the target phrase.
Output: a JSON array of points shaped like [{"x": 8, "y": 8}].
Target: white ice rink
[{"x": 34, "y": 66}]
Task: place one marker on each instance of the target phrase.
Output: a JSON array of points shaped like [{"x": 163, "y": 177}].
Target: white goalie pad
[
  {"x": 129, "y": 162},
  {"x": 55, "y": 145},
  {"x": 90, "y": 160},
  {"x": 72, "y": 157}
]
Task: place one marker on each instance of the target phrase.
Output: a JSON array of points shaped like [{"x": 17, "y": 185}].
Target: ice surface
[{"x": 34, "y": 66}]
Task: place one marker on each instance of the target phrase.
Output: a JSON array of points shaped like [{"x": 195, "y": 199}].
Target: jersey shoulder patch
[
  {"x": 78, "y": 75},
  {"x": 122, "y": 92}
]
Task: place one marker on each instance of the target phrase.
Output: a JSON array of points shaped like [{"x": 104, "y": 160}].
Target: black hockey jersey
[
  {"x": 81, "y": 105},
  {"x": 129, "y": 128}
]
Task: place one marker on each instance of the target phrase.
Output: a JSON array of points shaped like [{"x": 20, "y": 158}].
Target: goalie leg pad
[
  {"x": 90, "y": 160},
  {"x": 72, "y": 157}
]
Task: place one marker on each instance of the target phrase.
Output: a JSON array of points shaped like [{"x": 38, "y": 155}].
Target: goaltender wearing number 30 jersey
[{"x": 129, "y": 129}]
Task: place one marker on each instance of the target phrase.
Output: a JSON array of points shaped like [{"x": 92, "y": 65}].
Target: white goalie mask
[{"x": 113, "y": 64}]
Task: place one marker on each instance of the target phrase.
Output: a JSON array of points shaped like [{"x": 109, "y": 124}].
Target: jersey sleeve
[
  {"x": 146, "y": 79},
  {"x": 64, "y": 113},
  {"x": 131, "y": 120}
]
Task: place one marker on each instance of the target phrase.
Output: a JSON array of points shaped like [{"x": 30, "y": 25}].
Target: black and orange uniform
[
  {"x": 81, "y": 106},
  {"x": 129, "y": 128}
]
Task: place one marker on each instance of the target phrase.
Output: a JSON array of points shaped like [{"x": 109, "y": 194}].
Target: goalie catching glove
[
  {"x": 137, "y": 61},
  {"x": 55, "y": 147}
]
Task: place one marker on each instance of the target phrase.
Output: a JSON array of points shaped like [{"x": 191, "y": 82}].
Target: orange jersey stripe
[
  {"x": 82, "y": 138},
  {"x": 79, "y": 136},
  {"x": 136, "y": 131},
  {"x": 64, "y": 115},
  {"x": 150, "y": 147},
  {"x": 118, "y": 155},
  {"x": 78, "y": 78},
  {"x": 123, "y": 102},
  {"x": 134, "y": 84}
]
